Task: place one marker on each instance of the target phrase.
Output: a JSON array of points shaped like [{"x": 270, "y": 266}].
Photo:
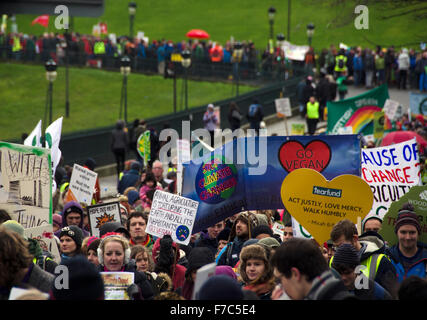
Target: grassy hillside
[
  {"x": 248, "y": 19},
  {"x": 94, "y": 97}
]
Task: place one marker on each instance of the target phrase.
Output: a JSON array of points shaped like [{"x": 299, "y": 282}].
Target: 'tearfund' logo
[{"x": 336, "y": 193}]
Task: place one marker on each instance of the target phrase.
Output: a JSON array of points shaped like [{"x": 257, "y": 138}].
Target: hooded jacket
[
  {"x": 130, "y": 178},
  {"x": 65, "y": 224},
  {"x": 373, "y": 244},
  {"x": 418, "y": 263}
]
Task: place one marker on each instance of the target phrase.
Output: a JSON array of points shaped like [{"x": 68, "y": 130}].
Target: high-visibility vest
[
  {"x": 16, "y": 45},
  {"x": 337, "y": 59},
  {"x": 99, "y": 47},
  {"x": 372, "y": 264},
  {"x": 313, "y": 110},
  {"x": 171, "y": 169}
]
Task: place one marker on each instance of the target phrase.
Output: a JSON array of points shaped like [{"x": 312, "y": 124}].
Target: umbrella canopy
[
  {"x": 401, "y": 136},
  {"x": 198, "y": 34}
]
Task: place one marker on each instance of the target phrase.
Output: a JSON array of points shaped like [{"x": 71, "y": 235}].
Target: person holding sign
[
  {"x": 371, "y": 248},
  {"x": 114, "y": 256},
  {"x": 408, "y": 256}
]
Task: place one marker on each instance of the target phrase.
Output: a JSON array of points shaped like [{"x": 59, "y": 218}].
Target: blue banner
[{"x": 247, "y": 173}]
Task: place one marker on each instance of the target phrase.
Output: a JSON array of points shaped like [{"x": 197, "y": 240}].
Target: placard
[
  {"x": 100, "y": 214},
  {"x": 391, "y": 109},
  {"x": 82, "y": 184},
  {"x": 26, "y": 184},
  {"x": 116, "y": 284},
  {"x": 202, "y": 275},
  {"x": 283, "y": 107},
  {"x": 183, "y": 150},
  {"x": 297, "y": 129},
  {"x": 318, "y": 204},
  {"x": 45, "y": 237},
  {"x": 173, "y": 215},
  {"x": 390, "y": 172}
]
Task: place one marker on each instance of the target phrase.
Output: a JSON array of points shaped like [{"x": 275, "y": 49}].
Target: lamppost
[
  {"x": 280, "y": 39},
  {"x": 271, "y": 13},
  {"x": 51, "y": 74},
  {"x": 186, "y": 62},
  {"x": 125, "y": 71},
  {"x": 132, "y": 11},
  {"x": 237, "y": 57},
  {"x": 310, "y": 32}
]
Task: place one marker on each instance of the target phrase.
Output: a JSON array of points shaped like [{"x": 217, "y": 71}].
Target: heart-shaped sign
[
  {"x": 318, "y": 204},
  {"x": 294, "y": 155}
]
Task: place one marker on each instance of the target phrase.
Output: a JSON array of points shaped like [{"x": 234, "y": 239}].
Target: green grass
[
  {"x": 248, "y": 20},
  {"x": 94, "y": 97}
]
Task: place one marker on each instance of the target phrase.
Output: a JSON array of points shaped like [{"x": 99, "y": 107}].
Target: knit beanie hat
[
  {"x": 132, "y": 197},
  {"x": 406, "y": 216},
  {"x": 93, "y": 245},
  {"x": 262, "y": 229},
  {"x": 220, "y": 287},
  {"x": 224, "y": 234},
  {"x": 74, "y": 233},
  {"x": 198, "y": 257},
  {"x": 346, "y": 255},
  {"x": 226, "y": 271},
  {"x": 248, "y": 218},
  {"x": 72, "y": 206},
  {"x": 57, "y": 219},
  {"x": 112, "y": 226},
  {"x": 84, "y": 281},
  {"x": 262, "y": 219},
  {"x": 16, "y": 227}
]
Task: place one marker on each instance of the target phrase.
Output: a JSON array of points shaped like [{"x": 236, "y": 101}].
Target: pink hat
[{"x": 57, "y": 219}]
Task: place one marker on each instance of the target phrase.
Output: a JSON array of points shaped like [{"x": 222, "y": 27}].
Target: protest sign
[
  {"x": 345, "y": 130},
  {"x": 318, "y": 204},
  {"x": 202, "y": 275},
  {"x": 100, "y": 214},
  {"x": 418, "y": 103},
  {"x": 417, "y": 196},
  {"x": 278, "y": 228},
  {"x": 379, "y": 121},
  {"x": 116, "y": 284},
  {"x": 26, "y": 184},
  {"x": 143, "y": 146},
  {"x": 390, "y": 172},
  {"x": 299, "y": 231},
  {"x": 247, "y": 173},
  {"x": 294, "y": 52},
  {"x": 297, "y": 129},
  {"x": 82, "y": 185},
  {"x": 283, "y": 107},
  {"x": 172, "y": 214},
  {"x": 392, "y": 109},
  {"x": 357, "y": 112},
  {"x": 45, "y": 237}
]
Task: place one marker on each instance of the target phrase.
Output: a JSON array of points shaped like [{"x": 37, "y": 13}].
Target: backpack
[{"x": 253, "y": 109}]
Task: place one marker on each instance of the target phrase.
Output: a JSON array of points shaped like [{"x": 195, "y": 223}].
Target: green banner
[
  {"x": 357, "y": 112},
  {"x": 143, "y": 146},
  {"x": 417, "y": 196}
]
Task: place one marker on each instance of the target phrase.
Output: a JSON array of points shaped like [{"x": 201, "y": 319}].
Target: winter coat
[
  {"x": 416, "y": 266},
  {"x": 234, "y": 119},
  {"x": 129, "y": 179},
  {"x": 143, "y": 194},
  {"x": 230, "y": 254},
  {"x": 403, "y": 61},
  {"x": 328, "y": 287},
  {"x": 119, "y": 138}
]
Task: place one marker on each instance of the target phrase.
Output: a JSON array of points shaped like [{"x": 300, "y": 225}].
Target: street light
[
  {"x": 271, "y": 13},
  {"x": 186, "y": 62},
  {"x": 237, "y": 57},
  {"x": 132, "y": 11},
  {"x": 51, "y": 74},
  {"x": 310, "y": 32},
  {"x": 125, "y": 71},
  {"x": 280, "y": 39}
]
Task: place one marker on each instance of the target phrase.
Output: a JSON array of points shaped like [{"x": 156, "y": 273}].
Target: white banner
[
  {"x": 172, "y": 214},
  {"x": 53, "y": 137},
  {"x": 283, "y": 107},
  {"x": 33, "y": 139},
  {"x": 390, "y": 172},
  {"x": 294, "y": 52}
]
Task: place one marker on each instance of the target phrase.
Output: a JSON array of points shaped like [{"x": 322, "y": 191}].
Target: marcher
[
  {"x": 210, "y": 121},
  {"x": 91, "y": 250},
  {"x": 234, "y": 116},
  {"x": 255, "y": 115},
  {"x": 149, "y": 183},
  {"x": 71, "y": 238},
  {"x": 346, "y": 260},
  {"x": 312, "y": 115},
  {"x": 256, "y": 272},
  {"x": 371, "y": 249},
  {"x": 403, "y": 65},
  {"x": 136, "y": 224},
  {"x": 304, "y": 273},
  {"x": 372, "y": 223},
  {"x": 158, "y": 173},
  {"x": 209, "y": 238},
  {"x": 72, "y": 214},
  {"x": 114, "y": 256},
  {"x": 119, "y": 144},
  {"x": 408, "y": 256},
  {"x": 17, "y": 268},
  {"x": 130, "y": 178},
  {"x": 241, "y": 232}
]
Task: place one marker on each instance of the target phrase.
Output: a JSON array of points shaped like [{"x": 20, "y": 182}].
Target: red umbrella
[
  {"x": 198, "y": 34},
  {"x": 43, "y": 20},
  {"x": 401, "y": 136}
]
